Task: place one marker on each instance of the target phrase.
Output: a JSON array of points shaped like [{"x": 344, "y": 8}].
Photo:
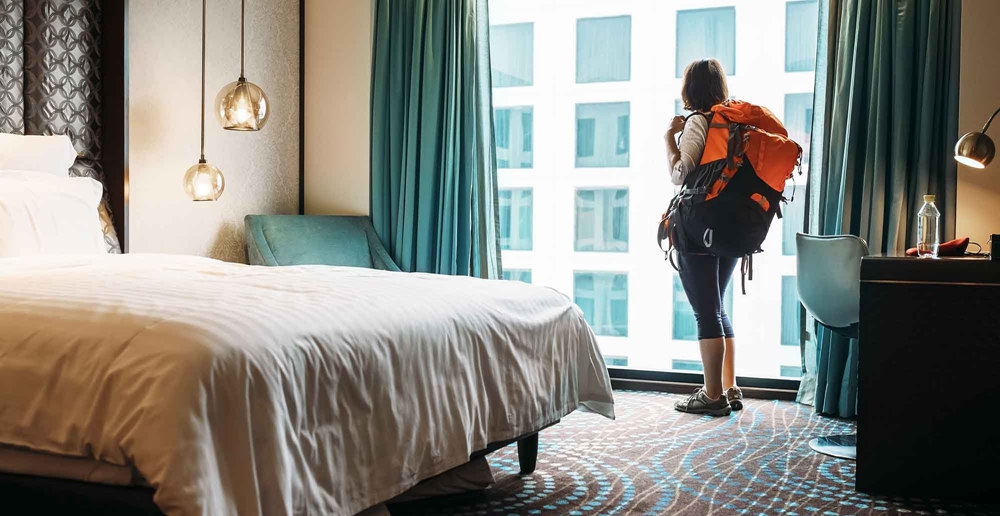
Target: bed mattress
[{"x": 280, "y": 390}]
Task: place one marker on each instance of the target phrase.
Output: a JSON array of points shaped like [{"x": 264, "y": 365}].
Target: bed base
[{"x": 41, "y": 495}]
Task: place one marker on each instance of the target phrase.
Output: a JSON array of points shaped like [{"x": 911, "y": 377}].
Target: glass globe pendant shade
[
  {"x": 204, "y": 182},
  {"x": 242, "y": 106}
]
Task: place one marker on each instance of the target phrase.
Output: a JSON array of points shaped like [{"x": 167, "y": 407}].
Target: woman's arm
[
  {"x": 684, "y": 158},
  {"x": 673, "y": 153}
]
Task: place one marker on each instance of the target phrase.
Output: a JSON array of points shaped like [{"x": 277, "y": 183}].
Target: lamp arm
[{"x": 990, "y": 121}]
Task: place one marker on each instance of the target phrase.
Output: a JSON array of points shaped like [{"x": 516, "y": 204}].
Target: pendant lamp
[
  {"x": 204, "y": 181},
  {"x": 242, "y": 105}
]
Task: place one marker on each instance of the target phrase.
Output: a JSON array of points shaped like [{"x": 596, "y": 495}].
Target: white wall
[
  {"x": 261, "y": 169},
  {"x": 979, "y": 96},
  {"x": 337, "y": 99}
]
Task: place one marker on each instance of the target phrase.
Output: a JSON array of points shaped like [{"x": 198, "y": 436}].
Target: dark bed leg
[{"x": 527, "y": 454}]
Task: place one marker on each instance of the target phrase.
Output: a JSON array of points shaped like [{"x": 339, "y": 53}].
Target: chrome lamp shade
[{"x": 975, "y": 149}]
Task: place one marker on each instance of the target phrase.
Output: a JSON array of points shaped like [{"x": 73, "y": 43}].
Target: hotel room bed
[{"x": 293, "y": 390}]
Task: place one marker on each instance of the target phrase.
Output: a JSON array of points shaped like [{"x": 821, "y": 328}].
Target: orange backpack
[{"x": 727, "y": 204}]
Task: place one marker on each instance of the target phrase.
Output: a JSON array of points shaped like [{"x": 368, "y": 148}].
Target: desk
[{"x": 929, "y": 377}]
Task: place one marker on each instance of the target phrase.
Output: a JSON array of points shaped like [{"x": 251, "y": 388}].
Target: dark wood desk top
[{"x": 957, "y": 270}]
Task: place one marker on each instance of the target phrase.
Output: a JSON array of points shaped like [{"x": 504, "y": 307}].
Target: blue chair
[
  {"x": 350, "y": 241},
  {"x": 829, "y": 282}
]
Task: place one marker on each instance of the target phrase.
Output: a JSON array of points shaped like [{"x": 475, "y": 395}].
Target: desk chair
[{"x": 829, "y": 283}]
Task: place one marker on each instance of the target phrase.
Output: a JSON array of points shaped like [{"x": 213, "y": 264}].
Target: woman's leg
[
  {"x": 726, "y": 268},
  {"x": 713, "y": 353},
  {"x": 729, "y": 365},
  {"x": 700, "y": 277}
]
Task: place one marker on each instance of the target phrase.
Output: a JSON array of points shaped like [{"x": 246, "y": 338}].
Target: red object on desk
[{"x": 954, "y": 247}]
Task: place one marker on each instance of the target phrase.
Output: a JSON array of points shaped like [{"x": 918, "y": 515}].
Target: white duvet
[{"x": 301, "y": 390}]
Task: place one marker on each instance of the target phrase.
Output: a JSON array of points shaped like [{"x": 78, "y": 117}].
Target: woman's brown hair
[{"x": 704, "y": 85}]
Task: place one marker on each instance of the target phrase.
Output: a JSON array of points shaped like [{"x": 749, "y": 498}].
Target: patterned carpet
[{"x": 654, "y": 460}]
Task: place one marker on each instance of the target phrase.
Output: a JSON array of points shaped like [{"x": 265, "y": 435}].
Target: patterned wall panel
[
  {"x": 54, "y": 71},
  {"x": 11, "y": 66}
]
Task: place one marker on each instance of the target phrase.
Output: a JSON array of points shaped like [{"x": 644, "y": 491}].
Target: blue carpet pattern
[{"x": 653, "y": 460}]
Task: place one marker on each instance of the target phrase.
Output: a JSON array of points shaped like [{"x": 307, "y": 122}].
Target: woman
[{"x": 705, "y": 276}]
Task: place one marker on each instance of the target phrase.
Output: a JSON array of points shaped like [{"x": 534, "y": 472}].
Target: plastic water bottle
[{"x": 928, "y": 233}]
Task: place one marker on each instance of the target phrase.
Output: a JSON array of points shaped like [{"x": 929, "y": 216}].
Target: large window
[
  {"x": 603, "y": 297},
  {"x": 704, "y": 34},
  {"x": 582, "y": 165},
  {"x": 602, "y": 135},
  {"x": 603, "y": 49},
  {"x": 516, "y": 218},
  {"x": 512, "y": 54},
  {"x": 801, "y": 23}
]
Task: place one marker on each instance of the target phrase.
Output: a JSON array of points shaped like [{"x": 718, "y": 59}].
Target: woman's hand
[{"x": 676, "y": 125}]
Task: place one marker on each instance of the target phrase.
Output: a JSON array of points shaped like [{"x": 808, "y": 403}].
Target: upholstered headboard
[{"x": 63, "y": 70}]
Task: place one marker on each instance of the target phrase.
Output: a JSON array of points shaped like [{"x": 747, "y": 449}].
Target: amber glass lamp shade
[
  {"x": 242, "y": 106},
  {"x": 204, "y": 182}
]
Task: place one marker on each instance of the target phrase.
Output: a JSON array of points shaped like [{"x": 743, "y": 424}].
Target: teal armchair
[{"x": 315, "y": 240}]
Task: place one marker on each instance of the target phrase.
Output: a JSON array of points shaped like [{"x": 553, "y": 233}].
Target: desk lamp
[{"x": 975, "y": 149}]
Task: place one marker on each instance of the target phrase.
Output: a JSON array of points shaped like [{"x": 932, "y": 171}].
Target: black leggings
[{"x": 705, "y": 278}]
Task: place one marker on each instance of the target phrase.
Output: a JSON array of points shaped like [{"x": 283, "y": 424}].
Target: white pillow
[
  {"x": 46, "y": 215},
  {"x": 49, "y": 154}
]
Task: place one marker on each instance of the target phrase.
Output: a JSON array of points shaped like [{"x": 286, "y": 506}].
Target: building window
[
  {"x": 801, "y": 24},
  {"x": 522, "y": 275},
  {"x": 612, "y": 361},
  {"x": 791, "y": 371},
  {"x": 501, "y": 128},
  {"x": 516, "y": 219},
  {"x": 512, "y": 127},
  {"x": 704, "y": 34},
  {"x": 602, "y": 220},
  {"x": 527, "y": 132},
  {"x": 512, "y": 54},
  {"x": 685, "y": 325},
  {"x": 585, "y": 128},
  {"x": 679, "y": 108},
  {"x": 602, "y": 135},
  {"x": 687, "y": 365},
  {"x": 603, "y": 298},
  {"x": 793, "y": 218},
  {"x": 791, "y": 332},
  {"x": 798, "y": 120},
  {"x": 603, "y": 49}
]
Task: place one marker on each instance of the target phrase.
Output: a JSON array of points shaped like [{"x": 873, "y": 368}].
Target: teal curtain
[
  {"x": 890, "y": 119},
  {"x": 433, "y": 164}
]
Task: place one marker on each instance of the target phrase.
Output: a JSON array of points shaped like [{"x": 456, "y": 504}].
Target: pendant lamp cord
[
  {"x": 204, "y": 16},
  {"x": 243, "y": 23}
]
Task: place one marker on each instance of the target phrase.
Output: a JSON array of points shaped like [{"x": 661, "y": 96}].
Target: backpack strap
[{"x": 691, "y": 114}]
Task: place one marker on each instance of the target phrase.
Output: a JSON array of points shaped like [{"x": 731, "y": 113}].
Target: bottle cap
[{"x": 928, "y": 198}]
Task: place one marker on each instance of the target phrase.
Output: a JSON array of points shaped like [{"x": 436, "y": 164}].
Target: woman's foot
[
  {"x": 735, "y": 397},
  {"x": 700, "y": 403}
]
